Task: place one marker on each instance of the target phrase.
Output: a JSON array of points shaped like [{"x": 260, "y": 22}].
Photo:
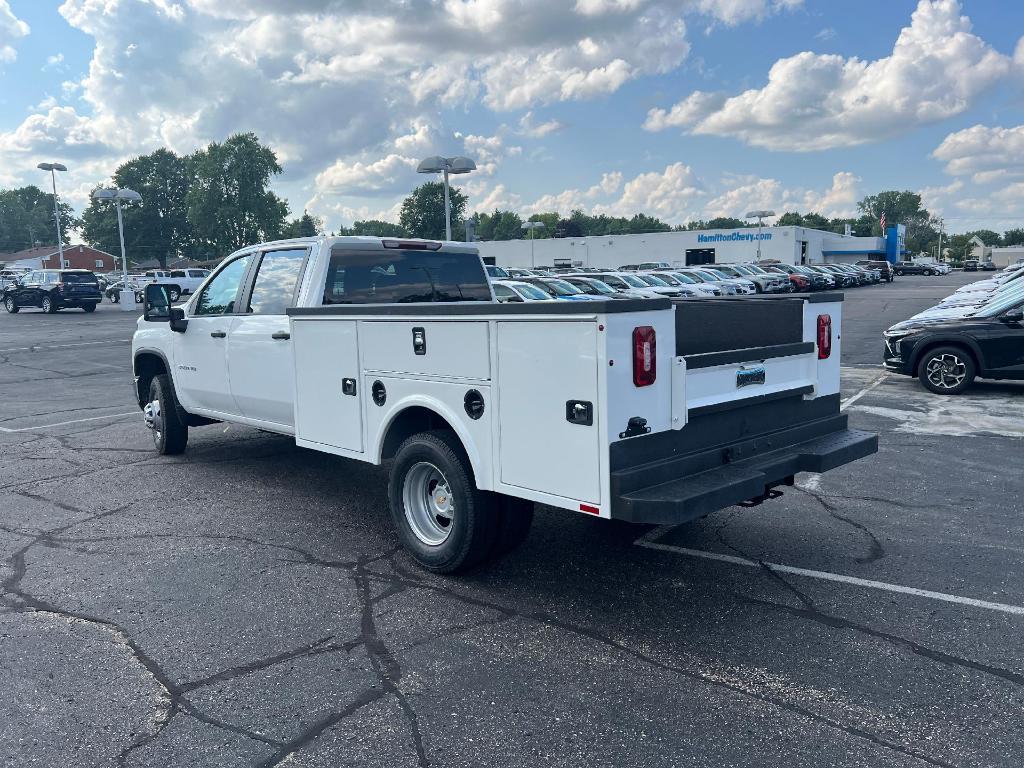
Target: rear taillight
[
  {"x": 824, "y": 336},
  {"x": 645, "y": 364}
]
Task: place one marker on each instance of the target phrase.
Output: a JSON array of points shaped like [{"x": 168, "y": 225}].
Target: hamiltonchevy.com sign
[{"x": 731, "y": 236}]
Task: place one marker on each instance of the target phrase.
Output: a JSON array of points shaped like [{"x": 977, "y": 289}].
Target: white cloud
[
  {"x": 987, "y": 153},
  {"x": 733, "y": 12},
  {"x": 390, "y": 173},
  {"x": 54, "y": 61},
  {"x": 528, "y": 127},
  {"x": 937, "y": 69},
  {"x": 826, "y": 33},
  {"x": 11, "y": 29}
]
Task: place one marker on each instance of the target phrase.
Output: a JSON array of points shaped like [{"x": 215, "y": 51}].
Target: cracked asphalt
[{"x": 246, "y": 604}]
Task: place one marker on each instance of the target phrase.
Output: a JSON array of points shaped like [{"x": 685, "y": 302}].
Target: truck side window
[
  {"x": 401, "y": 277},
  {"x": 274, "y": 289},
  {"x": 218, "y": 298}
]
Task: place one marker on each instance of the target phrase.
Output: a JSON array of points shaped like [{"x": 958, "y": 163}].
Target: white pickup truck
[
  {"x": 645, "y": 410},
  {"x": 179, "y": 282}
]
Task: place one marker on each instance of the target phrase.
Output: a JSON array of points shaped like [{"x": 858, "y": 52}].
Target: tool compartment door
[
  {"x": 542, "y": 367},
  {"x": 328, "y": 413}
]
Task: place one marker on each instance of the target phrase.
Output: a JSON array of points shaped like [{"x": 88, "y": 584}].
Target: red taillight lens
[
  {"x": 824, "y": 336},
  {"x": 645, "y": 361}
]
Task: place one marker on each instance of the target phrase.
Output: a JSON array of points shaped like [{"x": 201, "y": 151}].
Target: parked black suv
[
  {"x": 53, "y": 289},
  {"x": 946, "y": 353},
  {"x": 914, "y": 268},
  {"x": 883, "y": 266}
]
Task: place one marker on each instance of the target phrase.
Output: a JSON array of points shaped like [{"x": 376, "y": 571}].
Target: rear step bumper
[{"x": 681, "y": 486}]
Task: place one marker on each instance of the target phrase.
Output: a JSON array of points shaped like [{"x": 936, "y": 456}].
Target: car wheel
[
  {"x": 946, "y": 370},
  {"x": 174, "y": 294},
  {"x": 442, "y": 519},
  {"x": 115, "y": 297},
  {"x": 163, "y": 417},
  {"x": 11, "y": 305},
  {"x": 929, "y": 272},
  {"x": 899, "y": 272},
  {"x": 48, "y": 306},
  {"x": 89, "y": 307}
]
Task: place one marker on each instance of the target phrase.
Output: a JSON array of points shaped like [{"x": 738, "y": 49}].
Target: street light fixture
[
  {"x": 53, "y": 168},
  {"x": 759, "y": 215},
  {"x": 119, "y": 196},
  {"x": 446, "y": 165},
  {"x": 532, "y": 226}
]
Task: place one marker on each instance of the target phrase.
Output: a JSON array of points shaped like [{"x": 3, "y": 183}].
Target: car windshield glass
[
  {"x": 600, "y": 287},
  {"x": 80, "y": 278},
  {"x": 709, "y": 277},
  {"x": 756, "y": 270},
  {"x": 634, "y": 281},
  {"x": 684, "y": 278},
  {"x": 668, "y": 279},
  {"x": 532, "y": 292},
  {"x": 561, "y": 288},
  {"x": 404, "y": 277},
  {"x": 496, "y": 272},
  {"x": 652, "y": 280},
  {"x": 999, "y": 305},
  {"x": 743, "y": 270}
]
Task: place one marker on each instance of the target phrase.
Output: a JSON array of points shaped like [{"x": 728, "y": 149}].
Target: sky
[{"x": 680, "y": 109}]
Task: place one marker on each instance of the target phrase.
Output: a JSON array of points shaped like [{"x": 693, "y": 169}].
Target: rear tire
[
  {"x": 443, "y": 520},
  {"x": 163, "y": 416},
  {"x": 11, "y": 305},
  {"x": 115, "y": 297},
  {"x": 929, "y": 272},
  {"x": 899, "y": 272},
  {"x": 48, "y": 305},
  {"x": 174, "y": 293},
  {"x": 946, "y": 370}
]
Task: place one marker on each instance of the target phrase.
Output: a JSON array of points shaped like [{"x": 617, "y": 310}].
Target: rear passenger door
[{"x": 260, "y": 364}]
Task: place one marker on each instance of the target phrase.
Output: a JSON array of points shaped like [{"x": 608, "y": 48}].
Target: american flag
[{"x": 882, "y": 222}]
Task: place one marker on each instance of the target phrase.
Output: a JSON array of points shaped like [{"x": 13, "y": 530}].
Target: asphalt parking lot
[{"x": 247, "y": 604}]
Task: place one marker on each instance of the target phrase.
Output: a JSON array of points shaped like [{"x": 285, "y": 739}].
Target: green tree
[
  {"x": 900, "y": 207},
  {"x": 422, "y": 213},
  {"x": 500, "y": 225},
  {"x": 550, "y": 229},
  {"x": 304, "y": 226},
  {"x": 377, "y": 228},
  {"x": 26, "y": 218},
  {"x": 1013, "y": 237},
  {"x": 158, "y": 227},
  {"x": 229, "y": 203}
]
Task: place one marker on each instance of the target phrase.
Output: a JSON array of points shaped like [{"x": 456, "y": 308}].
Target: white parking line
[
  {"x": 854, "y": 398},
  {"x": 649, "y": 540},
  {"x": 73, "y": 421},
  {"x": 39, "y": 348}
]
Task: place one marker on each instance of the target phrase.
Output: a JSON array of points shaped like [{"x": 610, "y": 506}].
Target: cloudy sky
[{"x": 676, "y": 108}]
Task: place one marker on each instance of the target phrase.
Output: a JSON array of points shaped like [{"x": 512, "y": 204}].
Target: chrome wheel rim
[
  {"x": 428, "y": 502},
  {"x": 46, "y": 305},
  {"x": 154, "y": 420},
  {"x": 9, "y": 304},
  {"x": 946, "y": 371}
]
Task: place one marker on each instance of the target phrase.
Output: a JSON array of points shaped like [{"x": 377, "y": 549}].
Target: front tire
[
  {"x": 48, "y": 305},
  {"x": 174, "y": 293},
  {"x": 89, "y": 307},
  {"x": 163, "y": 417},
  {"x": 442, "y": 519},
  {"x": 11, "y": 305},
  {"x": 929, "y": 272},
  {"x": 946, "y": 370},
  {"x": 899, "y": 273}
]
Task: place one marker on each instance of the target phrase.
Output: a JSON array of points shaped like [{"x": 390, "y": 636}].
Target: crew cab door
[
  {"x": 260, "y": 361},
  {"x": 1002, "y": 347},
  {"x": 200, "y": 353}
]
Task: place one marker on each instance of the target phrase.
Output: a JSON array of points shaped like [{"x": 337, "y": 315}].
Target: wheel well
[
  {"x": 409, "y": 422},
  {"x": 147, "y": 366},
  {"x": 929, "y": 346}
]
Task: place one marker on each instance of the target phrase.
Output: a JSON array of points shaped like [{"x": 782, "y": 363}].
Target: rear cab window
[{"x": 395, "y": 276}]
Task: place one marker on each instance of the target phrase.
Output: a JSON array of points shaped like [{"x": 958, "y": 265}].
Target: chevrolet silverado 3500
[{"x": 645, "y": 410}]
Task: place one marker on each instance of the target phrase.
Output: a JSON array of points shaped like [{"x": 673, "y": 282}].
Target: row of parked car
[
  {"x": 54, "y": 289},
  {"x": 659, "y": 279},
  {"x": 978, "y": 331}
]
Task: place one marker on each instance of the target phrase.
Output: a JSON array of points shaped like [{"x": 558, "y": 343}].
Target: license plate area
[{"x": 749, "y": 376}]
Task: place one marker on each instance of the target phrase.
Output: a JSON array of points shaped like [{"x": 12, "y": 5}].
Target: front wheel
[
  {"x": 929, "y": 272},
  {"x": 170, "y": 433},
  {"x": 48, "y": 305},
  {"x": 442, "y": 519},
  {"x": 90, "y": 307},
  {"x": 115, "y": 297},
  {"x": 946, "y": 370},
  {"x": 11, "y": 305},
  {"x": 174, "y": 293},
  {"x": 899, "y": 273}
]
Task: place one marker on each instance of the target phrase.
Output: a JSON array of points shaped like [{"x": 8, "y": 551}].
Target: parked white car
[{"x": 516, "y": 291}]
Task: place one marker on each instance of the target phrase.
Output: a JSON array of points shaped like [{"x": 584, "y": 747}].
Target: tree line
[{"x": 217, "y": 199}]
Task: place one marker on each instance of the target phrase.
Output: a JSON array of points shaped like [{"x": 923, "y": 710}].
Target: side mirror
[
  {"x": 1013, "y": 316},
  {"x": 178, "y": 320},
  {"x": 156, "y": 305}
]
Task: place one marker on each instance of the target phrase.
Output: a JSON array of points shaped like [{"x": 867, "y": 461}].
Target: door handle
[
  {"x": 218, "y": 334},
  {"x": 281, "y": 335}
]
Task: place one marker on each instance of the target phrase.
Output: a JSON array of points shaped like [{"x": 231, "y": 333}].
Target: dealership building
[{"x": 789, "y": 245}]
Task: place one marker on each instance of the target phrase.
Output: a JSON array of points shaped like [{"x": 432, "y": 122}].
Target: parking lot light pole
[
  {"x": 53, "y": 168},
  {"x": 532, "y": 226},
  {"x": 118, "y": 196},
  {"x": 446, "y": 165},
  {"x": 759, "y": 215}
]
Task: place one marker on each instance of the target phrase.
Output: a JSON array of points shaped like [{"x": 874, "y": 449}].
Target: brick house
[{"x": 75, "y": 257}]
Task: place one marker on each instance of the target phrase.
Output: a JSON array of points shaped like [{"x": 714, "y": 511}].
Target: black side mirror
[
  {"x": 178, "y": 320},
  {"x": 1013, "y": 316},
  {"x": 156, "y": 305}
]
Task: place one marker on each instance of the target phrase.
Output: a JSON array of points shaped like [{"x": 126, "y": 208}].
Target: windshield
[
  {"x": 755, "y": 270},
  {"x": 633, "y": 281},
  {"x": 561, "y": 288},
  {"x": 652, "y": 280},
  {"x": 710, "y": 276},
  {"x": 684, "y": 278},
  {"x": 667, "y": 279},
  {"x": 496, "y": 272},
  {"x": 600, "y": 287},
  {"x": 532, "y": 292},
  {"x": 999, "y": 305}
]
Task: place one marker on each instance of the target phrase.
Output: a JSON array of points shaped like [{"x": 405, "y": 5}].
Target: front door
[
  {"x": 260, "y": 365},
  {"x": 200, "y": 353},
  {"x": 1002, "y": 346}
]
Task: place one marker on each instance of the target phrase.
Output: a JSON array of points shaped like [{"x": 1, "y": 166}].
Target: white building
[
  {"x": 1006, "y": 255},
  {"x": 790, "y": 245}
]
